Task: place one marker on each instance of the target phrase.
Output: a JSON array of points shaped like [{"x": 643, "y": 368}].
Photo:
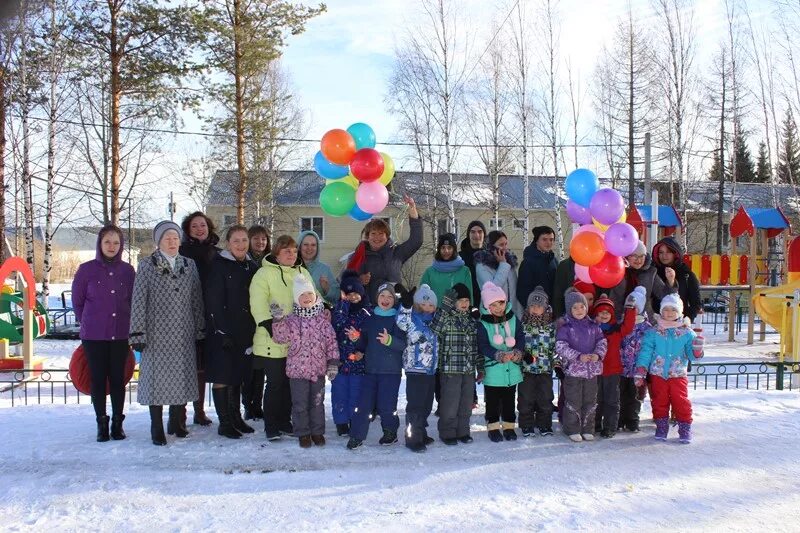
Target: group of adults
[{"x": 202, "y": 314}]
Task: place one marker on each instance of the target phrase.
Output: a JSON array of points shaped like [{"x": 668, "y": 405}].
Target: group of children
[{"x": 606, "y": 359}]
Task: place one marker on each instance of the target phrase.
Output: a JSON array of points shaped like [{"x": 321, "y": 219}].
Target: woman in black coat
[
  {"x": 200, "y": 245},
  {"x": 229, "y": 329},
  {"x": 668, "y": 255}
]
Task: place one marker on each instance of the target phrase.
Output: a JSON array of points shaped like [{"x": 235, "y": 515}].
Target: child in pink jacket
[{"x": 313, "y": 354}]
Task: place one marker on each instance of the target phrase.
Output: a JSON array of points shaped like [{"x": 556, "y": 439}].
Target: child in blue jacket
[
  {"x": 380, "y": 344},
  {"x": 420, "y": 360}
]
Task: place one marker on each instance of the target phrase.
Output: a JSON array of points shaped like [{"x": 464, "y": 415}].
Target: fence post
[{"x": 779, "y": 377}]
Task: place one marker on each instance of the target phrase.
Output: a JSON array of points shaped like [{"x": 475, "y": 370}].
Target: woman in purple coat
[{"x": 101, "y": 300}]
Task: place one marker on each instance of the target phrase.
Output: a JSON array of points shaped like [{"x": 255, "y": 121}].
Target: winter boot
[
  {"x": 632, "y": 426},
  {"x": 354, "y": 443},
  {"x": 318, "y": 440},
  {"x": 102, "y": 428},
  {"x": 116, "y": 427},
  {"x": 176, "y": 423},
  {"x": 466, "y": 439},
  {"x": 305, "y": 441},
  {"x": 662, "y": 428},
  {"x": 607, "y": 434},
  {"x": 389, "y": 437},
  {"x": 287, "y": 429},
  {"x": 221, "y": 399},
  {"x": 546, "y": 431},
  {"x": 495, "y": 435},
  {"x": 200, "y": 417},
  {"x": 508, "y": 431},
  {"x": 450, "y": 442},
  {"x": 343, "y": 430},
  {"x": 157, "y": 425},
  {"x": 528, "y": 432},
  {"x": 416, "y": 447},
  {"x": 684, "y": 432},
  {"x": 427, "y": 440},
  {"x": 235, "y": 412}
]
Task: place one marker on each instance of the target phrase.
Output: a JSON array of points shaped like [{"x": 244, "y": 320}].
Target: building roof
[
  {"x": 667, "y": 216},
  {"x": 747, "y": 220}
]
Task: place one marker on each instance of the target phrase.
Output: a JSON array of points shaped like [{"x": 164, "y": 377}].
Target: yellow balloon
[
  {"x": 388, "y": 169},
  {"x": 349, "y": 179},
  {"x": 604, "y": 227}
]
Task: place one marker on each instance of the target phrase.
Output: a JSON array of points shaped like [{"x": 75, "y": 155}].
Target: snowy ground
[{"x": 740, "y": 474}]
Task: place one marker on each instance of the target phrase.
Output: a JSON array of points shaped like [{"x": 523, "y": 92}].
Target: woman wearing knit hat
[
  {"x": 498, "y": 264},
  {"x": 640, "y": 272},
  {"x": 581, "y": 347},
  {"x": 166, "y": 321},
  {"x": 447, "y": 269},
  {"x": 665, "y": 355},
  {"x": 501, "y": 340},
  {"x": 667, "y": 257}
]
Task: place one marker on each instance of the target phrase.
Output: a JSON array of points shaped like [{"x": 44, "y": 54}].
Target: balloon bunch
[
  {"x": 356, "y": 175},
  {"x": 604, "y": 238}
]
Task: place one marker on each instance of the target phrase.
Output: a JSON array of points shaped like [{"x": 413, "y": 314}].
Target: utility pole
[
  {"x": 172, "y": 208},
  {"x": 647, "y": 177}
]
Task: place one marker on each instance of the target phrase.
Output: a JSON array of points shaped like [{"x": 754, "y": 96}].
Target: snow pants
[
  {"x": 378, "y": 391},
  {"x": 674, "y": 393},
  {"x": 500, "y": 406},
  {"x": 308, "y": 406},
  {"x": 345, "y": 390},
  {"x": 580, "y": 403},
  {"x": 607, "y": 415},
  {"x": 535, "y": 401},
  {"x": 629, "y": 404},
  {"x": 419, "y": 402},
  {"x": 455, "y": 405}
]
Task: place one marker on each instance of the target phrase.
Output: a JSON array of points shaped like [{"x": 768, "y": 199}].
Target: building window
[
  {"x": 229, "y": 220},
  {"x": 499, "y": 223},
  {"x": 519, "y": 224},
  {"x": 315, "y": 224},
  {"x": 443, "y": 226}
]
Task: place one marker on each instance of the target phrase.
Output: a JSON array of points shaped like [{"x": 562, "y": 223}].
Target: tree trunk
[
  {"x": 3, "y": 103},
  {"x": 116, "y": 96},
  {"x": 241, "y": 189},
  {"x": 51, "y": 159},
  {"x": 631, "y": 159},
  {"x": 27, "y": 201}
]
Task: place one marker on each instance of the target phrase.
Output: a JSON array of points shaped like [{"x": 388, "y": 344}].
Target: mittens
[
  {"x": 475, "y": 313},
  {"x": 406, "y": 296},
  {"x": 640, "y": 378},
  {"x": 528, "y": 359},
  {"x": 630, "y": 301},
  {"x": 500, "y": 357},
  {"x": 267, "y": 325},
  {"x": 332, "y": 371},
  {"x": 276, "y": 311},
  {"x": 516, "y": 356},
  {"x": 698, "y": 344}
]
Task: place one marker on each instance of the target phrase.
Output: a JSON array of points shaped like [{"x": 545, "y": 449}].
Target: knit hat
[
  {"x": 352, "y": 283},
  {"x": 163, "y": 227},
  {"x": 446, "y": 239},
  {"x": 639, "y": 296},
  {"x": 302, "y": 285},
  {"x": 387, "y": 287},
  {"x": 672, "y": 301},
  {"x": 476, "y": 223},
  {"x": 641, "y": 249},
  {"x": 462, "y": 291},
  {"x": 603, "y": 303},
  {"x": 425, "y": 295},
  {"x": 572, "y": 297},
  {"x": 538, "y": 297},
  {"x": 491, "y": 293},
  {"x": 583, "y": 287}
]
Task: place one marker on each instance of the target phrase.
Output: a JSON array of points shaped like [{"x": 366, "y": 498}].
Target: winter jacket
[
  {"x": 666, "y": 352},
  {"x": 504, "y": 275},
  {"x": 422, "y": 345},
  {"x": 614, "y": 333},
  {"x": 564, "y": 278},
  {"x": 378, "y": 358},
  {"x": 311, "y": 342},
  {"x": 101, "y": 296},
  {"x": 385, "y": 264},
  {"x": 201, "y": 252},
  {"x": 443, "y": 275},
  {"x": 537, "y": 268},
  {"x": 500, "y": 374},
  {"x": 272, "y": 284},
  {"x": 575, "y": 338},
  {"x": 632, "y": 344},
  {"x": 458, "y": 339},
  {"x": 688, "y": 285},
  {"x": 647, "y": 277},
  {"x": 167, "y": 317},
  {"x": 347, "y": 315},
  {"x": 540, "y": 343},
  {"x": 318, "y": 269},
  {"x": 227, "y": 304},
  {"x": 467, "y": 253}
]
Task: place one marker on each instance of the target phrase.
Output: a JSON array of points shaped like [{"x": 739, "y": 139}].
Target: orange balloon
[
  {"x": 587, "y": 248},
  {"x": 338, "y": 147}
]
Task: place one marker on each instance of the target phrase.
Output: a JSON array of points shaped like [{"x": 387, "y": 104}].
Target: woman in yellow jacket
[{"x": 271, "y": 296}]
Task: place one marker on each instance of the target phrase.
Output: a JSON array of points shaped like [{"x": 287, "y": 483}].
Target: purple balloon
[
  {"x": 621, "y": 239},
  {"x": 578, "y": 214},
  {"x": 606, "y": 206}
]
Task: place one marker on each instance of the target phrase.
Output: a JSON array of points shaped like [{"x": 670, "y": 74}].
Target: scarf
[
  {"x": 485, "y": 257},
  {"x": 669, "y": 324},
  {"x": 545, "y": 319},
  {"x": 386, "y": 312},
  {"x": 167, "y": 265},
  {"x": 448, "y": 267},
  {"x": 308, "y": 312}
]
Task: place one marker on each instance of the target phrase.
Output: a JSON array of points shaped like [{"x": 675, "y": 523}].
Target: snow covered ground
[{"x": 740, "y": 474}]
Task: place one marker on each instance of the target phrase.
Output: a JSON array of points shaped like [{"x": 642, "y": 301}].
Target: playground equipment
[{"x": 32, "y": 321}]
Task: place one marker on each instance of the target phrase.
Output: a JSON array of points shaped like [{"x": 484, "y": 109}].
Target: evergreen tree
[
  {"x": 788, "y": 170},
  {"x": 744, "y": 162},
  {"x": 716, "y": 166},
  {"x": 763, "y": 170}
]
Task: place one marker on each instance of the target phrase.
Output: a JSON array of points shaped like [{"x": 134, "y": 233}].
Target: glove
[
  {"x": 332, "y": 371},
  {"x": 480, "y": 377},
  {"x": 640, "y": 378},
  {"x": 630, "y": 301},
  {"x": 406, "y": 296},
  {"x": 267, "y": 325},
  {"x": 276, "y": 311},
  {"x": 698, "y": 344},
  {"x": 327, "y": 305},
  {"x": 475, "y": 313},
  {"x": 528, "y": 359},
  {"x": 138, "y": 346},
  {"x": 227, "y": 342},
  {"x": 559, "y": 372}
]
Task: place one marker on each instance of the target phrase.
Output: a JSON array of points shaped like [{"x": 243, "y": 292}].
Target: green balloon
[{"x": 337, "y": 199}]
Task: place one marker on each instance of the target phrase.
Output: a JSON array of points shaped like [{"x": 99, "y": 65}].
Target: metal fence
[{"x": 51, "y": 386}]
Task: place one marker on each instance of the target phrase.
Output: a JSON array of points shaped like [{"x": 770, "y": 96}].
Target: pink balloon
[
  {"x": 590, "y": 228},
  {"x": 582, "y": 273},
  {"x": 372, "y": 197},
  {"x": 621, "y": 239}
]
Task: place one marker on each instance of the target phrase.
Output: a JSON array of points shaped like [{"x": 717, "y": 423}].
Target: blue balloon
[
  {"x": 581, "y": 184},
  {"x": 328, "y": 170},
  {"x": 363, "y": 135},
  {"x": 358, "y": 215}
]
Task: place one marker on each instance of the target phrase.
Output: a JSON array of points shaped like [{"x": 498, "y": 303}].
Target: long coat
[
  {"x": 227, "y": 301},
  {"x": 167, "y": 317}
]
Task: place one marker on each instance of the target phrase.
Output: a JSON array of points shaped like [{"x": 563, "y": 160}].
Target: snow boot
[
  {"x": 450, "y": 442},
  {"x": 343, "y": 430},
  {"x": 318, "y": 440},
  {"x": 528, "y": 432},
  {"x": 509, "y": 434},
  {"x": 157, "y": 425},
  {"x": 662, "y": 428},
  {"x": 273, "y": 434},
  {"x": 416, "y": 447},
  {"x": 546, "y": 432},
  {"x": 466, "y": 439},
  {"x": 305, "y": 441},
  {"x": 221, "y": 398},
  {"x": 176, "y": 423},
  {"x": 587, "y": 436},
  {"x": 607, "y": 434},
  {"x": 354, "y": 443},
  {"x": 632, "y": 426},
  {"x": 200, "y": 417},
  {"x": 236, "y": 414},
  {"x": 576, "y": 438},
  {"x": 287, "y": 429},
  {"x": 495, "y": 435},
  {"x": 426, "y": 440},
  {"x": 684, "y": 432},
  {"x": 102, "y": 429},
  {"x": 389, "y": 437},
  {"x": 116, "y": 427}
]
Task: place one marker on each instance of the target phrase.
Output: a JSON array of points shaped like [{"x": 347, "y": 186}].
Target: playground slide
[{"x": 771, "y": 309}]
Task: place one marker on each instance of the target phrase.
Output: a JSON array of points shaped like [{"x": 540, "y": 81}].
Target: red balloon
[
  {"x": 608, "y": 272},
  {"x": 367, "y": 165},
  {"x": 81, "y": 377}
]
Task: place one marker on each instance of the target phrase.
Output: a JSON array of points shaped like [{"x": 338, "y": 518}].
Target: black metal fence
[{"x": 51, "y": 386}]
